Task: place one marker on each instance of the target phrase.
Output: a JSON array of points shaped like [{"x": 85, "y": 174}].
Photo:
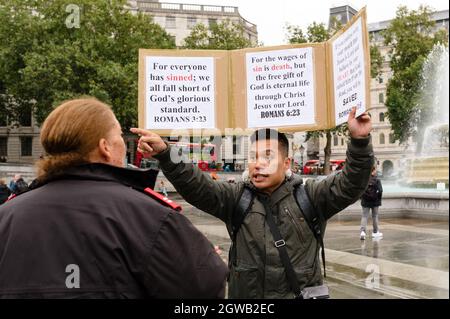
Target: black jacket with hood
[{"x": 91, "y": 233}]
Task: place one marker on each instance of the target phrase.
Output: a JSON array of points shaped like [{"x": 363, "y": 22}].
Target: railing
[
  {"x": 146, "y": 5},
  {"x": 142, "y": 4}
]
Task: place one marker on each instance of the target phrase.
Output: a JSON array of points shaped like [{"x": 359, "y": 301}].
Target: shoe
[
  {"x": 362, "y": 236},
  {"x": 377, "y": 235}
]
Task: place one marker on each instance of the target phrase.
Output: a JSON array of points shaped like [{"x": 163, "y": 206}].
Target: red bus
[
  {"x": 203, "y": 155},
  {"x": 311, "y": 167}
]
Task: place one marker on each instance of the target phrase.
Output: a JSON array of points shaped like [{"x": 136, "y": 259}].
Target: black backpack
[
  {"x": 371, "y": 192},
  {"x": 312, "y": 218}
]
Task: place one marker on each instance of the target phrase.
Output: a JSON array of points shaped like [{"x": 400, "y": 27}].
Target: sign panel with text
[
  {"x": 280, "y": 88},
  {"x": 349, "y": 72},
  {"x": 179, "y": 92},
  {"x": 296, "y": 87}
]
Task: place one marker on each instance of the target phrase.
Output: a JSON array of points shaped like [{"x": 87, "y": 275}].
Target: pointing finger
[
  {"x": 140, "y": 131},
  {"x": 150, "y": 139}
]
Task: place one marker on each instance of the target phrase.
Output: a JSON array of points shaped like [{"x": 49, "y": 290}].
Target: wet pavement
[{"x": 410, "y": 261}]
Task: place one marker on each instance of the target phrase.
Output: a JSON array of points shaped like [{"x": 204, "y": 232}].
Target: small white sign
[
  {"x": 280, "y": 88},
  {"x": 179, "y": 92},
  {"x": 349, "y": 73}
]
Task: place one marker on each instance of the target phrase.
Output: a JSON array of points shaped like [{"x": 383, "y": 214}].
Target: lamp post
[{"x": 302, "y": 150}]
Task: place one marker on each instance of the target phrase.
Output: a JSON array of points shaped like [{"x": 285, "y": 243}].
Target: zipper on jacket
[{"x": 296, "y": 226}]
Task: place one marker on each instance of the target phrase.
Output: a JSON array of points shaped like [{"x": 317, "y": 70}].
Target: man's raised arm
[
  {"x": 338, "y": 191},
  {"x": 217, "y": 198}
]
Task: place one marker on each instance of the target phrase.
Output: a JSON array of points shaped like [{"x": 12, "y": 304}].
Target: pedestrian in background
[
  {"x": 163, "y": 188},
  {"x": 12, "y": 183},
  {"x": 20, "y": 186},
  {"x": 371, "y": 200},
  {"x": 4, "y": 191}
]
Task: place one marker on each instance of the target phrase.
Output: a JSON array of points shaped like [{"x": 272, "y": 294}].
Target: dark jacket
[
  {"x": 4, "y": 193},
  {"x": 20, "y": 186},
  {"x": 124, "y": 243},
  {"x": 369, "y": 202},
  {"x": 257, "y": 271}
]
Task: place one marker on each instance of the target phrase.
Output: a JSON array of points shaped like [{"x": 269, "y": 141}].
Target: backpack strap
[
  {"x": 312, "y": 218},
  {"x": 280, "y": 244},
  {"x": 242, "y": 208},
  {"x": 241, "y": 211}
]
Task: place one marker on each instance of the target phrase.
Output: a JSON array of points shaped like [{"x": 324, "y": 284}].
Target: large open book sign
[{"x": 292, "y": 88}]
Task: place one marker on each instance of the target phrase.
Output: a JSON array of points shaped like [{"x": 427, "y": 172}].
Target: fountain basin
[
  {"x": 426, "y": 172},
  {"x": 427, "y": 205}
]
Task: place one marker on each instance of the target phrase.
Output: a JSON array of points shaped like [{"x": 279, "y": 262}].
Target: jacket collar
[
  {"x": 132, "y": 177},
  {"x": 285, "y": 189}
]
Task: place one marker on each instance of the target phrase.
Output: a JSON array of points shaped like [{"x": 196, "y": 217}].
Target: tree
[
  {"x": 46, "y": 57},
  {"x": 376, "y": 61},
  {"x": 318, "y": 32},
  {"x": 315, "y": 33},
  {"x": 411, "y": 37},
  {"x": 225, "y": 35}
]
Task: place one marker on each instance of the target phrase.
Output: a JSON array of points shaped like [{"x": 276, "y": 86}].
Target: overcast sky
[{"x": 271, "y": 17}]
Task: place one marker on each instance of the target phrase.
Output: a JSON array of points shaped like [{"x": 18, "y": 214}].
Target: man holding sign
[{"x": 275, "y": 251}]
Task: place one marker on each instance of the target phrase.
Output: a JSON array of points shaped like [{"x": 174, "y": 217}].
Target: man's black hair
[{"x": 271, "y": 134}]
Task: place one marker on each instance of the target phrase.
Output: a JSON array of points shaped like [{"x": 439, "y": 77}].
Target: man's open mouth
[{"x": 259, "y": 177}]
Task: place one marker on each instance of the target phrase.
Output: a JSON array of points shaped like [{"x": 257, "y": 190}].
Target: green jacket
[{"x": 257, "y": 271}]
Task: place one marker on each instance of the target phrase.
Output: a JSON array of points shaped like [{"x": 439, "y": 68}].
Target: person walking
[{"x": 371, "y": 201}]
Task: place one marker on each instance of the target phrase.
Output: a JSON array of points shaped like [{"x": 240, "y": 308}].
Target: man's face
[{"x": 267, "y": 165}]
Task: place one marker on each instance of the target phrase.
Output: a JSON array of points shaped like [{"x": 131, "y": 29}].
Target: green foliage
[
  {"x": 225, "y": 35},
  {"x": 411, "y": 36},
  {"x": 376, "y": 61},
  {"x": 43, "y": 61},
  {"x": 295, "y": 34},
  {"x": 315, "y": 33}
]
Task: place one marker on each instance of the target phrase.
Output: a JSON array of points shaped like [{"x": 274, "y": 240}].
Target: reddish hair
[{"x": 71, "y": 132}]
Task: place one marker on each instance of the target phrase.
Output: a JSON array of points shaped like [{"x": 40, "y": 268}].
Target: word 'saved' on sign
[{"x": 297, "y": 87}]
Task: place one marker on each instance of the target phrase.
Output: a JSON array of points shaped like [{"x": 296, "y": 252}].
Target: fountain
[{"x": 431, "y": 167}]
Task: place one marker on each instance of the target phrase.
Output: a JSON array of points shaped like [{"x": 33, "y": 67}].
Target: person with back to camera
[
  {"x": 89, "y": 230},
  {"x": 275, "y": 251},
  {"x": 371, "y": 200}
]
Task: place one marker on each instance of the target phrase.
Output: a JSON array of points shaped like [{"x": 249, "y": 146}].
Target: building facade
[
  {"x": 19, "y": 140},
  {"x": 388, "y": 153},
  {"x": 179, "y": 19}
]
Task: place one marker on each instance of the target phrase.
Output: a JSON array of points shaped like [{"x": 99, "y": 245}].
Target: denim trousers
[{"x": 365, "y": 217}]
